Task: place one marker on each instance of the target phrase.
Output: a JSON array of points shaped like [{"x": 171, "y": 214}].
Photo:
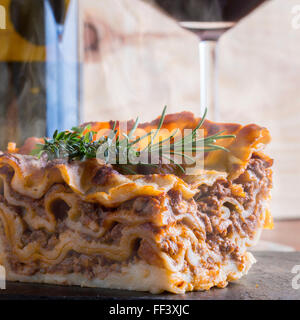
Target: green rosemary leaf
[
  {"x": 55, "y": 134},
  {"x": 75, "y": 145},
  {"x": 162, "y": 119},
  {"x": 159, "y": 145},
  {"x": 172, "y": 161},
  {"x": 183, "y": 155},
  {"x": 129, "y": 170},
  {"x": 138, "y": 139},
  {"x": 130, "y": 135},
  {"x": 217, "y": 147}
]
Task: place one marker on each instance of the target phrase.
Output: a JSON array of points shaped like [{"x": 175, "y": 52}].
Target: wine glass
[{"x": 208, "y": 19}]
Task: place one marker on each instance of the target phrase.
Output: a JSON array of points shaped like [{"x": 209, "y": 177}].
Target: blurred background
[{"x": 64, "y": 62}]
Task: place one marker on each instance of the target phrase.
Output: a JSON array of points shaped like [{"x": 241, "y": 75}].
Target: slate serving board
[{"x": 269, "y": 278}]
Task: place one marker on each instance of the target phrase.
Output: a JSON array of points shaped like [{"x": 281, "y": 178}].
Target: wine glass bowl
[{"x": 209, "y": 20}]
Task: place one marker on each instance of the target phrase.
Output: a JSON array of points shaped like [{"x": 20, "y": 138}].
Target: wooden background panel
[{"x": 144, "y": 62}]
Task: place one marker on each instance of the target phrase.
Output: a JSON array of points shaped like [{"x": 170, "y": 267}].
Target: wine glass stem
[{"x": 208, "y": 78}]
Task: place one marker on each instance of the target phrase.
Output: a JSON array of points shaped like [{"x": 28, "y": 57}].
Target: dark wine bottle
[{"x": 23, "y": 68}]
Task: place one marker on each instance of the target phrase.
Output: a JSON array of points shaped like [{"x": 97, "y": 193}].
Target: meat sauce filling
[{"x": 217, "y": 232}]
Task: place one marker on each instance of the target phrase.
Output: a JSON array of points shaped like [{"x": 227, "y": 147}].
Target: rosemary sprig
[
  {"x": 73, "y": 145},
  {"x": 79, "y": 144}
]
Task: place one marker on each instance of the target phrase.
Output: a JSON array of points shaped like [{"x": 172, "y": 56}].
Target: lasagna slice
[{"x": 87, "y": 223}]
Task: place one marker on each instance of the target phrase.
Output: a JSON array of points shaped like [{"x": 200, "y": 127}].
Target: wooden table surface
[{"x": 284, "y": 232}]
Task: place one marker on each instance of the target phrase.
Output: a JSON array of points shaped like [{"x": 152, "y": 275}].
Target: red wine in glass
[{"x": 208, "y": 19}]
